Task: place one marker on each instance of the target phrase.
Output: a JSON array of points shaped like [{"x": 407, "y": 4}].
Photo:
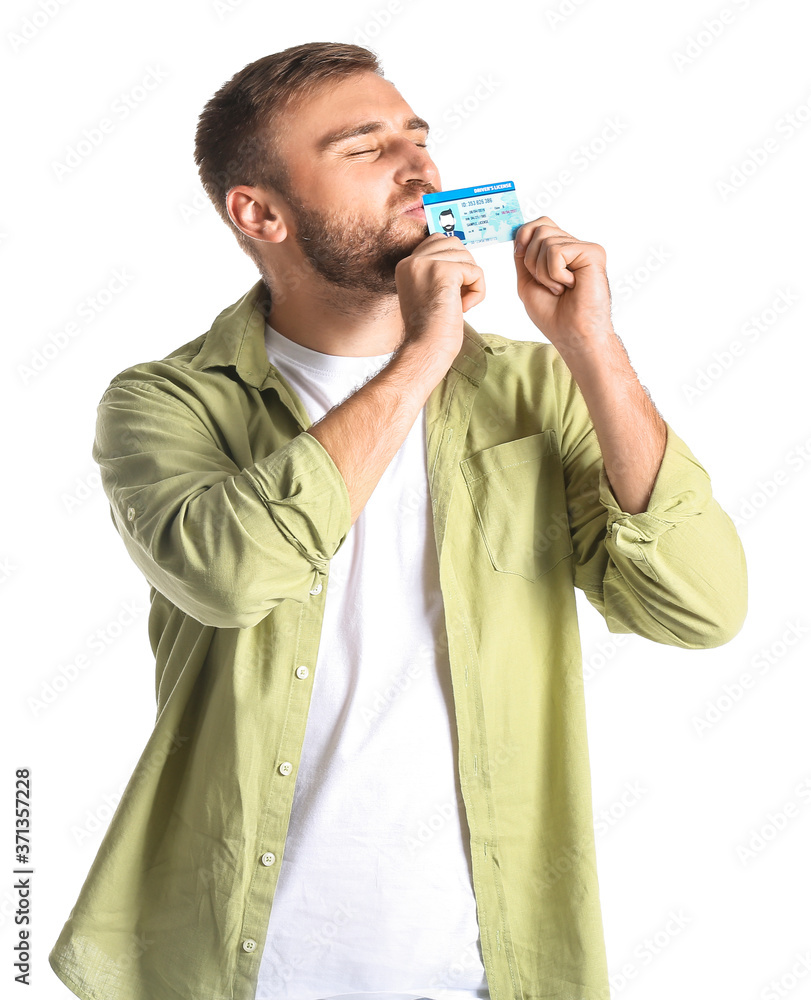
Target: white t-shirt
[{"x": 375, "y": 898}]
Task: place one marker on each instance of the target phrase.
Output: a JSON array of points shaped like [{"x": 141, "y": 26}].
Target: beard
[{"x": 354, "y": 253}]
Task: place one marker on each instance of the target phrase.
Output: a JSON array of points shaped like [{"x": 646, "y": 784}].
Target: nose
[{"x": 415, "y": 164}]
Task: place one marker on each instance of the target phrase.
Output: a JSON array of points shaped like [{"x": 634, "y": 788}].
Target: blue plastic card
[{"x": 488, "y": 213}]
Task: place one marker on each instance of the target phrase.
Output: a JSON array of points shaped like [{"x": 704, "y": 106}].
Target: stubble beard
[{"x": 354, "y": 254}]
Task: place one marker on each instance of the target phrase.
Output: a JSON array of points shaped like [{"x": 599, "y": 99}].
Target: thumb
[{"x": 521, "y": 268}]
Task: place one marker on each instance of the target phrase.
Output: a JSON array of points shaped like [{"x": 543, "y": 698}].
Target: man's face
[{"x": 356, "y": 159}]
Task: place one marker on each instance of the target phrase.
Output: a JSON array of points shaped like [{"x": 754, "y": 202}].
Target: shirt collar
[{"x": 237, "y": 339}]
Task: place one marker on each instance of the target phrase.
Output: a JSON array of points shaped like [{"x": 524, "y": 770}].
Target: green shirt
[{"x": 233, "y": 514}]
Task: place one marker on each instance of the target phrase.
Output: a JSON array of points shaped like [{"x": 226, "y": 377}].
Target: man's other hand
[{"x": 563, "y": 284}]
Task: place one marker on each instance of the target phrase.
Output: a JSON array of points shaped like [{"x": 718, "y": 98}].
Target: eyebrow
[{"x": 367, "y": 128}]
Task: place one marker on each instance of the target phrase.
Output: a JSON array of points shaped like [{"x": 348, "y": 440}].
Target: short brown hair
[{"x": 235, "y": 141}]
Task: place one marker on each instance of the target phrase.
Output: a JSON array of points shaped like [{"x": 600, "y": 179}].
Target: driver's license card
[{"x": 488, "y": 213}]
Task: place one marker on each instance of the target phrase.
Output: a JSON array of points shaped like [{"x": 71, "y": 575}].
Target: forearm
[
  {"x": 224, "y": 537},
  {"x": 364, "y": 433},
  {"x": 674, "y": 573},
  {"x": 630, "y": 431}
]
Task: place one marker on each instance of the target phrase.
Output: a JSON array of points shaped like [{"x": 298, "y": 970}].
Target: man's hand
[
  {"x": 563, "y": 284},
  {"x": 437, "y": 284}
]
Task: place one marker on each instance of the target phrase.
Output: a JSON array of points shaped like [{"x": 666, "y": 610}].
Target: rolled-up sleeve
[
  {"x": 675, "y": 572},
  {"x": 224, "y": 544}
]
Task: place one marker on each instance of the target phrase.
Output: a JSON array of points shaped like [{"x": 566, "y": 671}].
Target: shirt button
[
  {"x": 268, "y": 859},
  {"x": 302, "y": 672},
  {"x": 249, "y": 944},
  {"x": 130, "y": 513},
  {"x": 316, "y": 589},
  {"x": 286, "y": 767}
]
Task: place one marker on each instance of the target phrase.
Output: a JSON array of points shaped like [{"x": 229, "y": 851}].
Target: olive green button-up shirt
[{"x": 233, "y": 514}]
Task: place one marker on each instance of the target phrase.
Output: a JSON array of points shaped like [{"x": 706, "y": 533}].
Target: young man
[{"x": 362, "y": 523}]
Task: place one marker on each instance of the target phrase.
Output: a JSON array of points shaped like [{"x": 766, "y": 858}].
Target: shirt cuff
[
  {"x": 307, "y": 497},
  {"x": 681, "y": 489}
]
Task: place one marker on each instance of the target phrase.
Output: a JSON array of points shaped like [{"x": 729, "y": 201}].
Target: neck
[{"x": 340, "y": 321}]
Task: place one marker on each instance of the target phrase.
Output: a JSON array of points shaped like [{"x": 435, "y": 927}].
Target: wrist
[
  {"x": 418, "y": 369},
  {"x": 599, "y": 350}
]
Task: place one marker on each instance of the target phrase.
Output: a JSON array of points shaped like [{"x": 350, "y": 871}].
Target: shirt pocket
[{"x": 518, "y": 494}]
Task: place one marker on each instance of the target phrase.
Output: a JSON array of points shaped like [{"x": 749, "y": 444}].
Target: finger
[
  {"x": 472, "y": 286},
  {"x": 524, "y": 233},
  {"x": 438, "y": 241},
  {"x": 535, "y": 261},
  {"x": 463, "y": 278},
  {"x": 445, "y": 248},
  {"x": 473, "y": 294},
  {"x": 521, "y": 275},
  {"x": 557, "y": 259},
  {"x": 461, "y": 254},
  {"x": 433, "y": 242}
]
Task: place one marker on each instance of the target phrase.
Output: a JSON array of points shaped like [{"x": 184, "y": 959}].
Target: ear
[{"x": 257, "y": 213}]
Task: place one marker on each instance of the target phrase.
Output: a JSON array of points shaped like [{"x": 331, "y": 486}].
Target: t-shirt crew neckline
[{"x": 331, "y": 365}]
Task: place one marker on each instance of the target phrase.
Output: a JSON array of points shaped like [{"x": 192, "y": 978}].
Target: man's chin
[{"x": 410, "y": 242}]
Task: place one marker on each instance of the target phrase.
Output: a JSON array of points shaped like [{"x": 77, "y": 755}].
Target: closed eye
[{"x": 361, "y": 152}]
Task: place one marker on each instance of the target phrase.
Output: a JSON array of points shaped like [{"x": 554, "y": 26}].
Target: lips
[{"x": 415, "y": 207}]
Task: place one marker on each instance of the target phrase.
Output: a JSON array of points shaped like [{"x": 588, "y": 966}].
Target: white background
[{"x": 709, "y": 237}]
